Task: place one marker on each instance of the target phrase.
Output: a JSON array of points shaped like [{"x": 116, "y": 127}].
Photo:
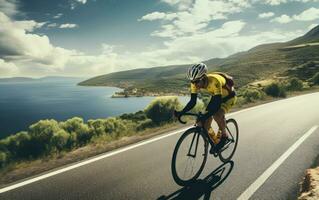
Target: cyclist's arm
[
  {"x": 191, "y": 103},
  {"x": 213, "y": 106},
  {"x": 215, "y": 102}
]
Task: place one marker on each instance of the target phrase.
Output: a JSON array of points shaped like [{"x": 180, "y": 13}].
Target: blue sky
[{"x": 93, "y": 37}]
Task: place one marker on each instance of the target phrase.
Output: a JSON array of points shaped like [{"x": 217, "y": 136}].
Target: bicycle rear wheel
[
  {"x": 229, "y": 149},
  {"x": 189, "y": 157}
]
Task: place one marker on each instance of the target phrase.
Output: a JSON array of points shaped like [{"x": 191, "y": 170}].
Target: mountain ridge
[{"x": 258, "y": 62}]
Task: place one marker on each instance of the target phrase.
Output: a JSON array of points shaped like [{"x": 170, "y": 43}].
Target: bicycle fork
[{"x": 196, "y": 135}]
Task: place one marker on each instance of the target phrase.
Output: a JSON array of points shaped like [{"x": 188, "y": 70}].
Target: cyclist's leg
[
  {"x": 207, "y": 125},
  {"x": 219, "y": 117}
]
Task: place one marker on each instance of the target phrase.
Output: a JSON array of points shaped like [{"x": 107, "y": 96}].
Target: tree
[
  {"x": 41, "y": 134},
  {"x": 161, "y": 109},
  {"x": 315, "y": 79},
  {"x": 275, "y": 90},
  {"x": 294, "y": 84}
]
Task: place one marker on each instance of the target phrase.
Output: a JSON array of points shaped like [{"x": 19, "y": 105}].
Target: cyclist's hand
[
  {"x": 199, "y": 124},
  {"x": 177, "y": 114}
]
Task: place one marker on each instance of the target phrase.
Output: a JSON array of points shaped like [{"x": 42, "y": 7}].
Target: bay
[{"x": 24, "y": 103}]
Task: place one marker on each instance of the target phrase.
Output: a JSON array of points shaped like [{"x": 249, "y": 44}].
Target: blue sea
[{"x": 24, "y": 103}]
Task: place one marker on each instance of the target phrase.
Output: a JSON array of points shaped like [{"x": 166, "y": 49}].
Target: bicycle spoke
[{"x": 189, "y": 157}]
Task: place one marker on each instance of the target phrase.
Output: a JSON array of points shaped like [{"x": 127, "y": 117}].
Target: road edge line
[{"x": 264, "y": 176}]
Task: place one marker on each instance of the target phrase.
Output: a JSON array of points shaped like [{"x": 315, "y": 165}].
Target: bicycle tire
[
  {"x": 180, "y": 181},
  {"x": 221, "y": 154}
]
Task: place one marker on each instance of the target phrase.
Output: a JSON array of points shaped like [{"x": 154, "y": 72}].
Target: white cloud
[
  {"x": 180, "y": 4},
  {"x": 8, "y": 69},
  {"x": 274, "y": 2},
  {"x": 68, "y": 26},
  {"x": 283, "y": 19},
  {"x": 17, "y": 44},
  {"x": 82, "y": 1},
  {"x": 306, "y": 1},
  {"x": 311, "y": 26},
  {"x": 279, "y": 2},
  {"x": 266, "y": 15},
  {"x": 196, "y": 18},
  {"x": 158, "y": 15},
  {"x": 75, "y": 3},
  {"x": 8, "y": 7},
  {"x": 308, "y": 15},
  {"x": 52, "y": 25},
  {"x": 59, "y": 15}
]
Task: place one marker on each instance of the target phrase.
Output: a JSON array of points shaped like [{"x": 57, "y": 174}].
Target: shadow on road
[{"x": 202, "y": 186}]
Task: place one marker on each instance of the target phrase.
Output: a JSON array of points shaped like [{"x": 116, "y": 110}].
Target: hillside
[
  {"x": 16, "y": 79},
  {"x": 258, "y": 63}
]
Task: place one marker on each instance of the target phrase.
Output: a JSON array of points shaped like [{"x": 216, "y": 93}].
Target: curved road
[{"x": 278, "y": 141}]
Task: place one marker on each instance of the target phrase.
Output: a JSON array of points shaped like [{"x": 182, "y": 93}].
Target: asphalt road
[{"x": 266, "y": 133}]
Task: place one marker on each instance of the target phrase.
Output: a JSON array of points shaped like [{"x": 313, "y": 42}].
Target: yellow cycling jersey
[{"x": 215, "y": 85}]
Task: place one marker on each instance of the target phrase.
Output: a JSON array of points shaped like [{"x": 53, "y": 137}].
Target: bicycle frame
[{"x": 199, "y": 130}]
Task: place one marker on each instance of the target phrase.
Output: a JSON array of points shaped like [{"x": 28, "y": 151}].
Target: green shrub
[
  {"x": 72, "y": 141},
  {"x": 18, "y": 145},
  {"x": 275, "y": 90},
  {"x": 161, "y": 109},
  {"x": 315, "y": 79},
  {"x": 110, "y": 125},
  {"x": 41, "y": 134},
  {"x": 97, "y": 126},
  {"x": 60, "y": 140},
  {"x": 76, "y": 125},
  {"x": 294, "y": 84},
  {"x": 138, "y": 116},
  {"x": 250, "y": 95},
  {"x": 148, "y": 123},
  {"x": 114, "y": 126},
  {"x": 3, "y": 158}
]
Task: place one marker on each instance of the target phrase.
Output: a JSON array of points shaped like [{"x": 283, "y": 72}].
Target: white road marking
[
  {"x": 112, "y": 153},
  {"x": 262, "y": 178},
  {"x": 87, "y": 161}
]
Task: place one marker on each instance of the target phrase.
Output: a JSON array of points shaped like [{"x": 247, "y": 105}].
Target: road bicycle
[{"x": 191, "y": 150}]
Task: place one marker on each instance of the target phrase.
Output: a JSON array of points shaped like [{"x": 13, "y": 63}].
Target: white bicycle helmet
[{"x": 196, "y": 71}]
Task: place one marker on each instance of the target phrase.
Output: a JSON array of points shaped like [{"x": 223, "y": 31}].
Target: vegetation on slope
[{"x": 261, "y": 62}]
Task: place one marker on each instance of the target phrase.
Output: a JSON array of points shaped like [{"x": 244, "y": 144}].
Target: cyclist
[{"x": 223, "y": 98}]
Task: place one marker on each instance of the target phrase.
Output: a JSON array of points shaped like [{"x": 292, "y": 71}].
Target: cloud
[
  {"x": 195, "y": 18},
  {"x": 283, "y": 19},
  {"x": 266, "y": 15},
  {"x": 8, "y": 7},
  {"x": 59, "y": 15},
  {"x": 279, "y": 2},
  {"x": 68, "y": 26},
  {"x": 82, "y": 1},
  {"x": 308, "y": 15},
  {"x": 180, "y": 4},
  {"x": 8, "y": 69},
  {"x": 158, "y": 15},
  {"x": 18, "y": 44},
  {"x": 75, "y": 3},
  {"x": 274, "y": 2},
  {"x": 52, "y": 25},
  {"x": 311, "y": 26}
]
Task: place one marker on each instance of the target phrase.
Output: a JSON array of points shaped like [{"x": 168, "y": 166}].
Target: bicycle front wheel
[
  {"x": 189, "y": 157},
  {"x": 229, "y": 149}
]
